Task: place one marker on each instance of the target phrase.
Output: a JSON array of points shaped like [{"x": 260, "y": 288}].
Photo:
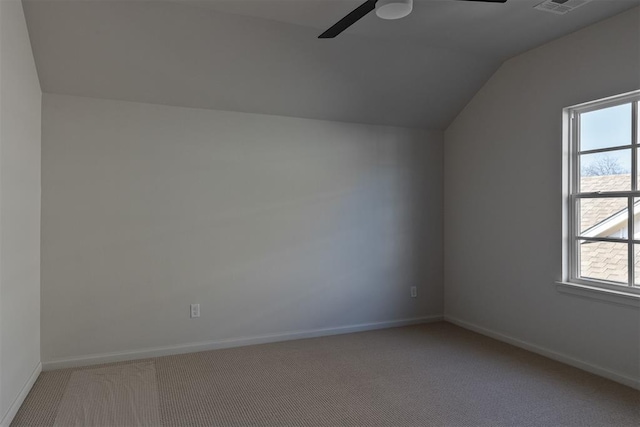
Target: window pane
[
  {"x": 604, "y": 261},
  {"x": 636, "y": 266},
  {"x": 636, "y": 218},
  {"x": 637, "y": 122},
  {"x": 636, "y": 248},
  {"x": 604, "y": 217},
  {"x": 609, "y": 171},
  {"x": 609, "y": 127}
]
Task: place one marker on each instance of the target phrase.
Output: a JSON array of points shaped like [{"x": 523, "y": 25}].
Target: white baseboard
[
  {"x": 95, "y": 359},
  {"x": 13, "y": 409},
  {"x": 585, "y": 366}
]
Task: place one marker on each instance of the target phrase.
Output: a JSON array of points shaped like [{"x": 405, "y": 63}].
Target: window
[{"x": 602, "y": 196}]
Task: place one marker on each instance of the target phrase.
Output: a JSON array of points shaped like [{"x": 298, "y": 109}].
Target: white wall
[
  {"x": 503, "y": 203},
  {"x": 271, "y": 224},
  {"x": 19, "y": 211}
]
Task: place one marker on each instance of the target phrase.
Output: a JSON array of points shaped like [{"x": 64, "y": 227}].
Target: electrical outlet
[
  {"x": 195, "y": 310},
  {"x": 414, "y": 292}
]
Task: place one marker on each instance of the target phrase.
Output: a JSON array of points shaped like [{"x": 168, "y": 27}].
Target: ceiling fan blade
[{"x": 349, "y": 20}]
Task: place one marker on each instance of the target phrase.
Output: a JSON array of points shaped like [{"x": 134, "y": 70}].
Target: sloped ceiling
[{"x": 263, "y": 56}]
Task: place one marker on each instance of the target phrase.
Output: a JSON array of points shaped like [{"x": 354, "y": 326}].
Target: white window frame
[{"x": 571, "y": 180}]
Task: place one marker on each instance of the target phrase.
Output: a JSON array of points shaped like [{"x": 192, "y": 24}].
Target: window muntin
[{"x": 604, "y": 194}]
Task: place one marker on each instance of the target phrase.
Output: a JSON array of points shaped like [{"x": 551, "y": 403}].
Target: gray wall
[
  {"x": 503, "y": 202},
  {"x": 272, "y": 224},
  {"x": 19, "y": 210}
]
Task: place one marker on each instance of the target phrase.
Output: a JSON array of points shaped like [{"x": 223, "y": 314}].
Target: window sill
[{"x": 616, "y": 297}]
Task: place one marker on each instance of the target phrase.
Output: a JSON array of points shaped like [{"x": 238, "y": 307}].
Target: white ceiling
[{"x": 263, "y": 56}]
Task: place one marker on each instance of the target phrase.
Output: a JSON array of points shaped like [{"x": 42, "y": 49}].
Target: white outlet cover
[{"x": 195, "y": 310}]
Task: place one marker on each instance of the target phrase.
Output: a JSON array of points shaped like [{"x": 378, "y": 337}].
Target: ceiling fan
[{"x": 385, "y": 9}]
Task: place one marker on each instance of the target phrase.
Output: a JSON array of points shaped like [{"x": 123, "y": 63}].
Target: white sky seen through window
[{"x": 605, "y": 128}]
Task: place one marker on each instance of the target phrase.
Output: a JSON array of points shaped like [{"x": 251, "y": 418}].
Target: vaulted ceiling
[{"x": 263, "y": 56}]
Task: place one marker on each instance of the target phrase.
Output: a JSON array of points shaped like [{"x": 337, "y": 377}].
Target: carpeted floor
[{"x": 428, "y": 375}]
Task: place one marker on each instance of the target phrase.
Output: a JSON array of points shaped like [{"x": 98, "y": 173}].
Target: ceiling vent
[{"x": 560, "y": 7}]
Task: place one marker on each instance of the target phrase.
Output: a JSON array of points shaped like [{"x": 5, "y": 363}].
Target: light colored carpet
[
  {"x": 111, "y": 396},
  {"x": 428, "y": 375}
]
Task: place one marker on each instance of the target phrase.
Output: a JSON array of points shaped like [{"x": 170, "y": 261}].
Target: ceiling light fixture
[{"x": 393, "y": 9}]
